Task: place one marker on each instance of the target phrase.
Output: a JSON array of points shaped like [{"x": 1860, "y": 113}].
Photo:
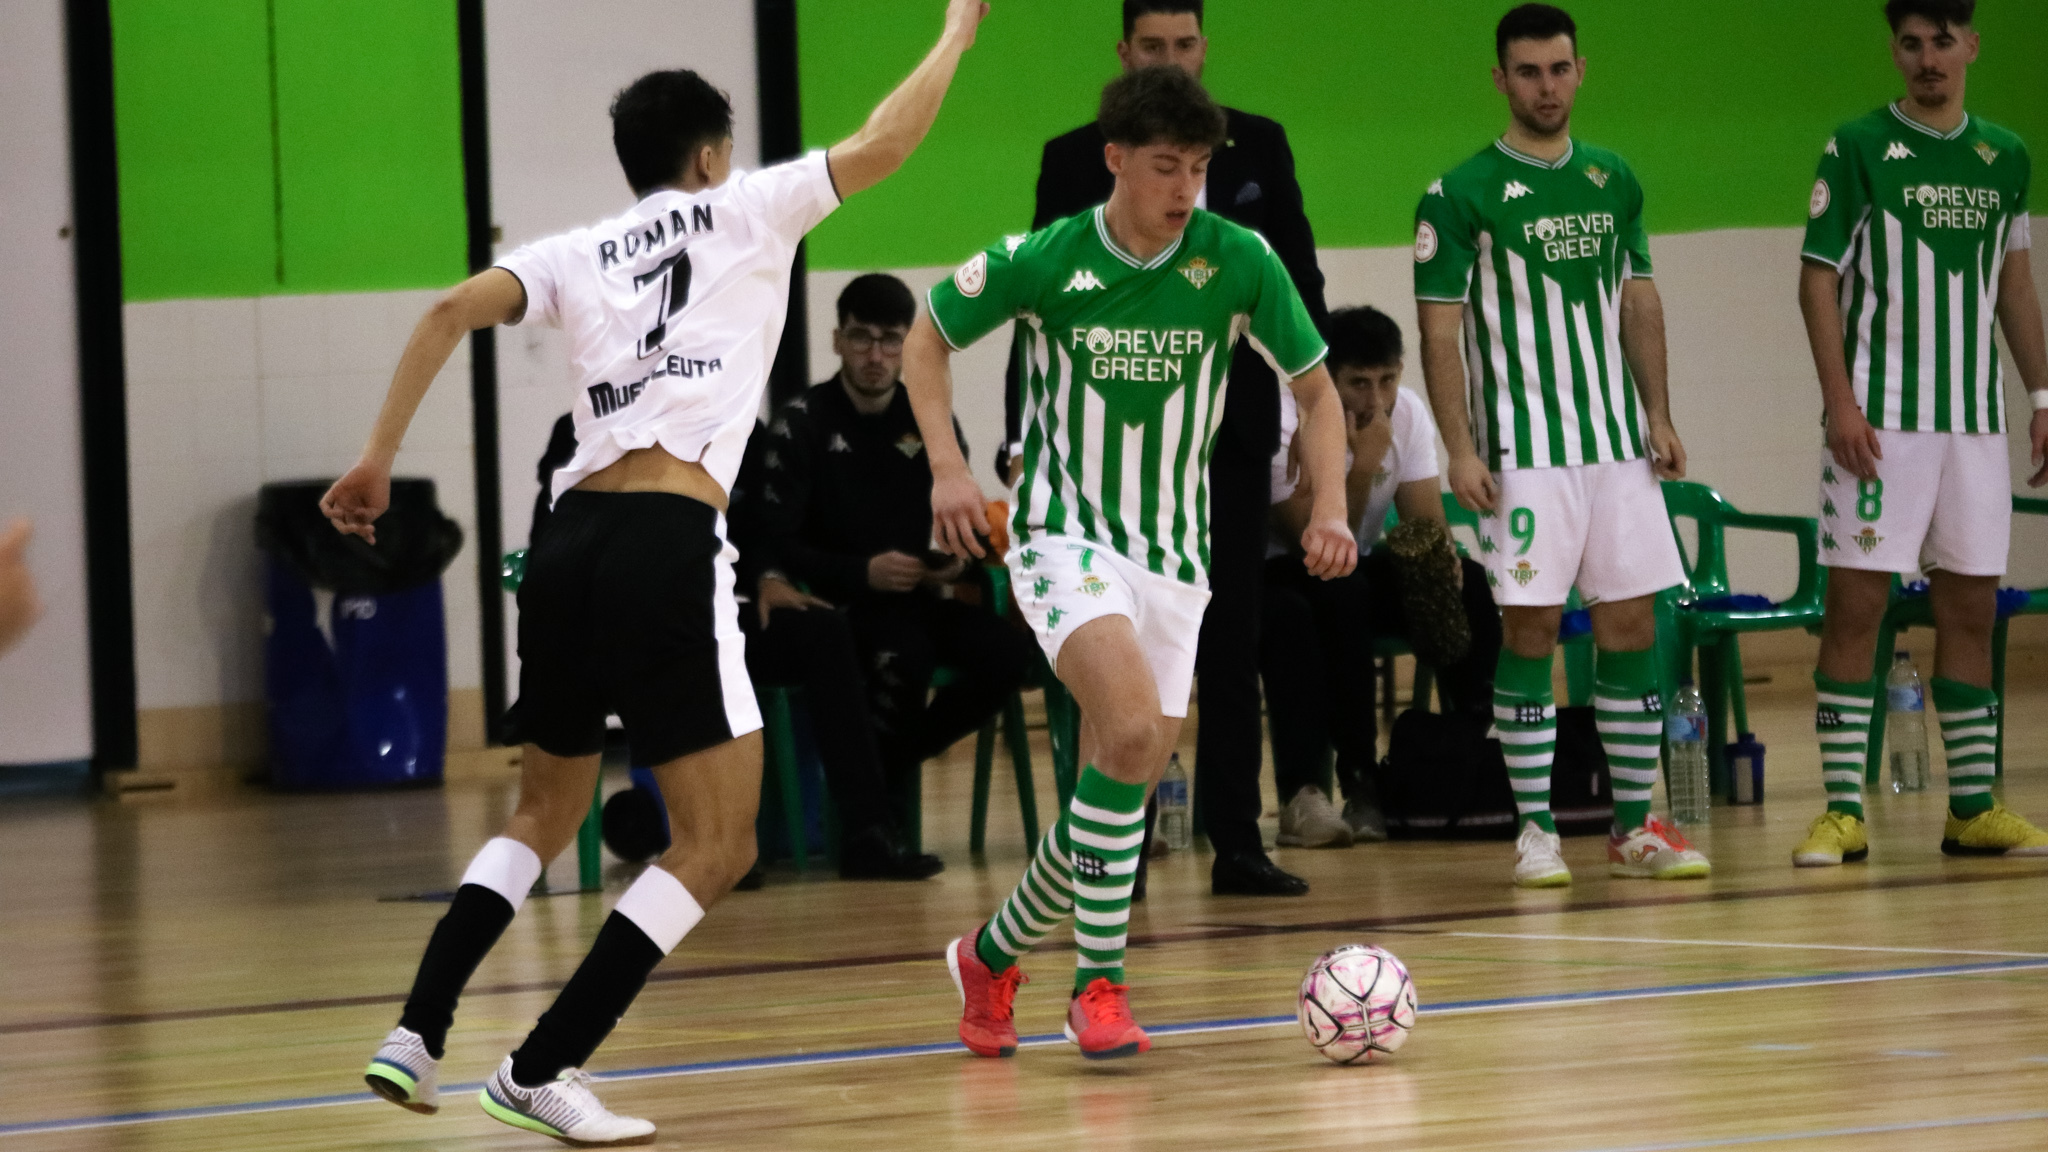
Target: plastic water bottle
[
  {"x": 1746, "y": 770},
  {"x": 1905, "y": 724},
  {"x": 1685, "y": 730},
  {"x": 1176, "y": 822}
]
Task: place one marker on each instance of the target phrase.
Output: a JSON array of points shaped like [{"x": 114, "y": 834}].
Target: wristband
[{"x": 2040, "y": 399}]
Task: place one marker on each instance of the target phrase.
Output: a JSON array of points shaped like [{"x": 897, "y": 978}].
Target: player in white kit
[{"x": 674, "y": 310}]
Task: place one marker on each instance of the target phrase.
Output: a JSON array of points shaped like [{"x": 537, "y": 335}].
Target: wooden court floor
[{"x": 212, "y": 976}]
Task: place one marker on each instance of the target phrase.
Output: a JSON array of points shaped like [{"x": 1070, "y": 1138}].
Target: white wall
[
  {"x": 45, "y": 690},
  {"x": 1742, "y": 387},
  {"x": 552, "y": 70},
  {"x": 227, "y": 395}
]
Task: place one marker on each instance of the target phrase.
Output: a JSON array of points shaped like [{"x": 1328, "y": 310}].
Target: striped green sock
[
  {"x": 1526, "y": 714},
  {"x": 1043, "y": 900},
  {"x": 1106, "y": 822},
  {"x": 1969, "y": 734},
  {"x": 1841, "y": 719},
  {"x": 1630, "y": 716}
]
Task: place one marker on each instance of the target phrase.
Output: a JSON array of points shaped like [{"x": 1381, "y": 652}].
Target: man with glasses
[{"x": 846, "y": 513}]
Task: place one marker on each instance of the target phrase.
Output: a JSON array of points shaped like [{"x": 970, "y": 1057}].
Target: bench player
[
  {"x": 1917, "y": 241},
  {"x": 1533, "y": 253},
  {"x": 674, "y": 309},
  {"x": 1131, "y": 311}
]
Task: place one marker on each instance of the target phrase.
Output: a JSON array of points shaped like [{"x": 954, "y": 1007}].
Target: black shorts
[{"x": 627, "y": 608}]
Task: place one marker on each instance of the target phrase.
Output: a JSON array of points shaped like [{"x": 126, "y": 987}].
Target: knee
[{"x": 1130, "y": 744}]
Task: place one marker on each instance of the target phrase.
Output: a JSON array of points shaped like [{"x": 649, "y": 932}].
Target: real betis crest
[
  {"x": 910, "y": 445},
  {"x": 1597, "y": 175},
  {"x": 1986, "y": 151},
  {"x": 1199, "y": 272},
  {"x": 1093, "y": 585},
  {"x": 1868, "y": 539},
  {"x": 1522, "y": 573}
]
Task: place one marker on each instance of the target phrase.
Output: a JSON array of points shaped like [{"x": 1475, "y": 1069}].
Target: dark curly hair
[
  {"x": 1160, "y": 104},
  {"x": 660, "y": 120}
]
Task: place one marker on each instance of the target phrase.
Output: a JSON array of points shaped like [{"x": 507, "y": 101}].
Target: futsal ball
[{"x": 1357, "y": 1004}]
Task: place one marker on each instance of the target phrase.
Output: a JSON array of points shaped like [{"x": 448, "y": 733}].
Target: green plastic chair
[
  {"x": 1684, "y": 629},
  {"x": 1918, "y": 612}
]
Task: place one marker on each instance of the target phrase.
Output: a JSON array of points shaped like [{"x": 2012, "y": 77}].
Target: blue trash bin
[{"x": 356, "y": 660}]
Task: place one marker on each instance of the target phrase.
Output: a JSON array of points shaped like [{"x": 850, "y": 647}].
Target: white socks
[
  {"x": 506, "y": 867},
  {"x": 660, "y": 906}
]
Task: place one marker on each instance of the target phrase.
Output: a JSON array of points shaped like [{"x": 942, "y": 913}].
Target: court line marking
[
  {"x": 1200, "y": 1027},
  {"x": 1739, "y": 944},
  {"x": 1832, "y": 1133}
]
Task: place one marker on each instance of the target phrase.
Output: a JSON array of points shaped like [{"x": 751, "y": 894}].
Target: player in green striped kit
[
  {"x": 1917, "y": 242},
  {"x": 1534, "y": 256},
  {"x": 1132, "y": 309}
]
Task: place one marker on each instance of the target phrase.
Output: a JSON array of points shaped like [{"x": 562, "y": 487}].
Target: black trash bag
[{"x": 415, "y": 541}]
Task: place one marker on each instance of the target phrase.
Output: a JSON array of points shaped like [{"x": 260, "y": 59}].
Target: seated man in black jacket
[{"x": 848, "y": 501}]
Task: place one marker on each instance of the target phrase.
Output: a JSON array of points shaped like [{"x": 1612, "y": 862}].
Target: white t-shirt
[
  {"x": 1412, "y": 456},
  {"x": 674, "y": 311}
]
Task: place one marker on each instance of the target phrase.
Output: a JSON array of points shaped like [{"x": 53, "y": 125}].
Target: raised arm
[
  {"x": 1642, "y": 341},
  {"x": 899, "y": 123},
  {"x": 959, "y": 511},
  {"x": 1850, "y": 436},
  {"x": 1443, "y": 372},
  {"x": 493, "y": 296},
  {"x": 1328, "y": 548},
  {"x": 2019, "y": 317}
]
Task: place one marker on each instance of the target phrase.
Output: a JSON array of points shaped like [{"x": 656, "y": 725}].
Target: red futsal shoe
[
  {"x": 1099, "y": 1020},
  {"x": 987, "y": 1021}
]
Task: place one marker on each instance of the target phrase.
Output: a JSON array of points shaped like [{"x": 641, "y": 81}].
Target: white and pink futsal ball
[{"x": 1357, "y": 1004}]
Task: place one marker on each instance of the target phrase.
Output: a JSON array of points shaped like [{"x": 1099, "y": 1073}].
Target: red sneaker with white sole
[
  {"x": 1099, "y": 1020},
  {"x": 987, "y": 1020}
]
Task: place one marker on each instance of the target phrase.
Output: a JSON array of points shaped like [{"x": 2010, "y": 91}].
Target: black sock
[
  {"x": 590, "y": 1005},
  {"x": 475, "y": 920}
]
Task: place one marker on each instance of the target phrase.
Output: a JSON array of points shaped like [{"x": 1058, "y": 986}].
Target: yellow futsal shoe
[
  {"x": 1833, "y": 838},
  {"x": 1999, "y": 832}
]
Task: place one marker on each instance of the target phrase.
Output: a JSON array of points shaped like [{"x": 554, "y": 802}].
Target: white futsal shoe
[
  {"x": 403, "y": 1073},
  {"x": 564, "y": 1108},
  {"x": 1539, "y": 860},
  {"x": 1311, "y": 821}
]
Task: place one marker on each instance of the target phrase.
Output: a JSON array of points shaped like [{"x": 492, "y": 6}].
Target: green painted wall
[
  {"x": 354, "y": 185},
  {"x": 1722, "y": 108}
]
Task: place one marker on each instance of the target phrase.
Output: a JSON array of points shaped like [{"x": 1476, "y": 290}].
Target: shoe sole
[
  {"x": 1681, "y": 872},
  {"x": 1958, "y": 848},
  {"x": 1550, "y": 880},
  {"x": 390, "y": 1088},
  {"x": 517, "y": 1119},
  {"x": 1828, "y": 859},
  {"x": 1116, "y": 1053},
  {"x": 953, "y": 967}
]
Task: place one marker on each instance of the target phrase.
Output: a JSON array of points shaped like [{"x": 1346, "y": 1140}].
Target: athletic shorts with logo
[
  {"x": 1063, "y": 583},
  {"x": 1941, "y": 500},
  {"x": 1601, "y": 527},
  {"x": 627, "y": 609}
]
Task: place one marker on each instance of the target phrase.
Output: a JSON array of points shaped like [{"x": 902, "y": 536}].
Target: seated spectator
[
  {"x": 791, "y": 646},
  {"x": 846, "y": 502},
  {"x": 1316, "y": 643}
]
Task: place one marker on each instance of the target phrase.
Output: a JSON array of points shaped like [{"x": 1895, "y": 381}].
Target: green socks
[
  {"x": 1841, "y": 719},
  {"x": 1086, "y": 865},
  {"x": 1969, "y": 734},
  {"x": 1526, "y": 714},
  {"x": 1630, "y": 716}
]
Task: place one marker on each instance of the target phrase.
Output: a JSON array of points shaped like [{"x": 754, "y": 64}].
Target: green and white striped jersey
[
  {"x": 1918, "y": 223},
  {"x": 1536, "y": 251},
  {"x": 1125, "y": 366}
]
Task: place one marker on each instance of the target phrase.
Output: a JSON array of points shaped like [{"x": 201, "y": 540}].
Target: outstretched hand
[
  {"x": 963, "y": 18},
  {"x": 357, "y": 499}
]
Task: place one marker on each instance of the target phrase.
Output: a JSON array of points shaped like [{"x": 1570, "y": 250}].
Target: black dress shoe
[
  {"x": 1250, "y": 873},
  {"x": 873, "y": 854}
]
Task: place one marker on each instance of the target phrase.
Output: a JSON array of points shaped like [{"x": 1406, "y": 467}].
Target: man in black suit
[{"x": 1251, "y": 181}]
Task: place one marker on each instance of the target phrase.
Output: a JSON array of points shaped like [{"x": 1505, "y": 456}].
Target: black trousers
[
  {"x": 902, "y": 639},
  {"x": 813, "y": 649},
  {"x": 1316, "y": 659},
  {"x": 1228, "y": 742}
]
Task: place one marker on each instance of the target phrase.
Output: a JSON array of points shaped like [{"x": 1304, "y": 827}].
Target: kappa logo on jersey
[
  {"x": 1827, "y": 542},
  {"x": 1199, "y": 272},
  {"x": 838, "y": 444},
  {"x": 972, "y": 276},
  {"x": 1012, "y": 243},
  {"x": 1040, "y": 587},
  {"x": 1084, "y": 280},
  {"x": 1522, "y": 573},
  {"x": 1818, "y": 202},
  {"x": 1828, "y": 509},
  {"x": 1052, "y": 619},
  {"x": 1425, "y": 243},
  {"x": 1436, "y": 188},
  {"x": 1030, "y": 558},
  {"x": 1597, "y": 175},
  {"x": 1986, "y": 151},
  {"x": 1831, "y": 149},
  {"x": 1868, "y": 539},
  {"x": 1514, "y": 191},
  {"x": 1898, "y": 151}
]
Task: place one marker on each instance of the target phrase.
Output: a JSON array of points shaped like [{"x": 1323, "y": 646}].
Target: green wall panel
[
  {"x": 192, "y": 109},
  {"x": 1721, "y": 108},
  {"x": 359, "y": 174}
]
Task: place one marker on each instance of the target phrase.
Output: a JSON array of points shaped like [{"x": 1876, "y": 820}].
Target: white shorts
[
  {"x": 1063, "y": 582},
  {"x": 1602, "y": 527},
  {"x": 1941, "y": 500}
]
